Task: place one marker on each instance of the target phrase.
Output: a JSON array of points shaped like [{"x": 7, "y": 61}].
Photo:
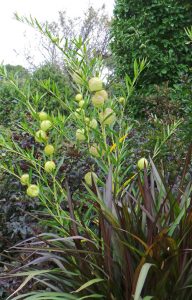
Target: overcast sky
[{"x": 12, "y": 32}]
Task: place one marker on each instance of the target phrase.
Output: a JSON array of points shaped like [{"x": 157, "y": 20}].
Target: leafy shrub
[
  {"x": 54, "y": 75},
  {"x": 10, "y": 111},
  {"x": 152, "y": 29},
  {"x": 9, "y": 108},
  {"x": 158, "y": 101}
]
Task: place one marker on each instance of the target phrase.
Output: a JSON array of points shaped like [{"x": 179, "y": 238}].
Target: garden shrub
[
  {"x": 153, "y": 29},
  {"x": 10, "y": 111},
  {"x": 9, "y": 108},
  {"x": 54, "y": 75}
]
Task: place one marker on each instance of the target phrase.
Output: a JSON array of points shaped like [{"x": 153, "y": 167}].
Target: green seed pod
[
  {"x": 80, "y": 135},
  {"x": 81, "y": 103},
  {"x": 87, "y": 120},
  {"x": 46, "y": 125},
  {"x": 107, "y": 117},
  {"x": 77, "y": 113},
  {"x": 142, "y": 163},
  {"x": 43, "y": 116},
  {"x": 24, "y": 179},
  {"x": 49, "y": 150},
  {"x": 49, "y": 166},
  {"x": 95, "y": 84},
  {"x": 40, "y": 136},
  {"x": 121, "y": 100},
  {"x": 33, "y": 190},
  {"x": 103, "y": 94},
  {"x": 97, "y": 100},
  {"x": 93, "y": 150},
  {"x": 93, "y": 124},
  {"x": 78, "y": 97}
]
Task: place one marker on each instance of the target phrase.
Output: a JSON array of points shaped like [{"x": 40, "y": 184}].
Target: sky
[{"x": 12, "y": 32}]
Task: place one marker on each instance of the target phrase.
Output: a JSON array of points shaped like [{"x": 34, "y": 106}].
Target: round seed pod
[
  {"x": 97, "y": 100},
  {"x": 95, "y": 84},
  {"x": 81, "y": 103},
  {"x": 93, "y": 124},
  {"x": 49, "y": 149},
  {"x": 78, "y": 97},
  {"x": 121, "y": 100},
  {"x": 142, "y": 163},
  {"x": 33, "y": 190},
  {"x": 24, "y": 179},
  {"x": 103, "y": 94},
  {"x": 77, "y": 112},
  {"x": 43, "y": 115},
  {"x": 80, "y": 135},
  {"x": 107, "y": 117},
  {"x": 46, "y": 125},
  {"x": 49, "y": 166},
  {"x": 40, "y": 136},
  {"x": 87, "y": 120},
  {"x": 93, "y": 150}
]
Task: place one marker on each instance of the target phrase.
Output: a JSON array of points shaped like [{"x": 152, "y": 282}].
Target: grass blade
[
  {"x": 89, "y": 283},
  {"x": 141, "y": 280}
]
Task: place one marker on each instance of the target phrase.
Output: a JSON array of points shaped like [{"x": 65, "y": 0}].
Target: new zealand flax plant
[{"x": 137, "y": 242}]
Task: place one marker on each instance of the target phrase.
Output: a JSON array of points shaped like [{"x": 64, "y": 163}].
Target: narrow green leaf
[
  {"x": 141, "y": 280},
  {"x": 87, "y": 284}
]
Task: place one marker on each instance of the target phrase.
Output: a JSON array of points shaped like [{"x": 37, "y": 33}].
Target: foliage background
[
  {"x": 152, "y": 29},
  {"x": 152, "y": 110}
]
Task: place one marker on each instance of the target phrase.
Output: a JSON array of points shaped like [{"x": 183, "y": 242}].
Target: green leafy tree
[
  {"x": 93, "y": 27},
  {"x": 49, "y": 73},
  {"x": 9, "y": 94},
  {"x": 152, "y": 29}
]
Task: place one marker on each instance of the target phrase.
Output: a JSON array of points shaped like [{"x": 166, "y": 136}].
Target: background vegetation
[
  {"x": 152, "y": 29},
  {"x": 123, "y": 232}
]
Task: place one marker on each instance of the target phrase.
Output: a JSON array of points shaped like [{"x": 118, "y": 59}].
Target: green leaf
[
  {"x": 89, "y": 283},
  {"x": 141, "y": 280},
  {"x": 45, "y": 296},
  {"x": 93, "y": 296}
]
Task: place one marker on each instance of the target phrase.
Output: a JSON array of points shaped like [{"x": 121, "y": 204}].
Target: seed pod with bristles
[{"x": 95, "y": 84}]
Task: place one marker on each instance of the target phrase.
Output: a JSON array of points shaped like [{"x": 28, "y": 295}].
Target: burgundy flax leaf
[{"x": 81, "y": 256}]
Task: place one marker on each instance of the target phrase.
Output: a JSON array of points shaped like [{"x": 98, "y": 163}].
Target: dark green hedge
[{"x": 152, "y": 29}]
